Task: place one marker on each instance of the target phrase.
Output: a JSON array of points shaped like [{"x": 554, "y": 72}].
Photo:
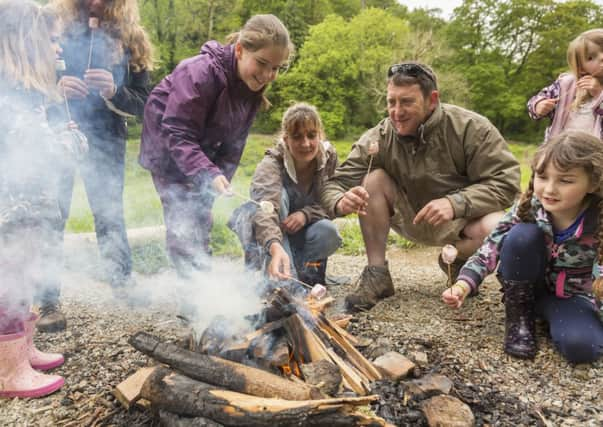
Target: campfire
[{"x": 298, "y": 367}]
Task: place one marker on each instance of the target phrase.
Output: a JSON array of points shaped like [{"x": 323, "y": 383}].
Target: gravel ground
[{"x": 466, "y": 346}]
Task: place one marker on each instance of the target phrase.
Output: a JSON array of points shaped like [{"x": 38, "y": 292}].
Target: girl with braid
[{"x": 550, "y": 262}]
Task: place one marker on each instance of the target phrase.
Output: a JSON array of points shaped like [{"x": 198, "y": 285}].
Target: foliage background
[{"x": 491, "y": 56}]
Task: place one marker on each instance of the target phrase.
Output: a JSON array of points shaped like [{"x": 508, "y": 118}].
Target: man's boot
[
  {"x": 51, "y": 318},
  {"x": 520, "y": 336},
  {"x": 374, "y": 284},
  {"x": 313, "y": 272}
]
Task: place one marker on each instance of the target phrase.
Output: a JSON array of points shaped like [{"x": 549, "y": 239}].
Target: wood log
[
  {"x": 184, "y": 396},
  {"x": 168, "y": 419},
  {"x": 128, "y": 391},
  {"x": 221, "y": 372}
]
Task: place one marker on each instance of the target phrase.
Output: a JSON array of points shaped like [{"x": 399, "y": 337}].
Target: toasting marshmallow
[
  {"x": 59, "y": 65},
  {"x": 93, "y": 22},
  {"x": 266, "y": 207},
  {"x": 449, "y": 254}
]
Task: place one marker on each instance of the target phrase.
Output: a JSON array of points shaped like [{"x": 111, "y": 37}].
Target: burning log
[
  {"x": 221, "y": 372},
  {"x": 181, "y": 395}
]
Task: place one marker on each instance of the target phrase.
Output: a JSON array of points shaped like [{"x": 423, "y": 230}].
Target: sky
[{"x": 446, "y": 5}]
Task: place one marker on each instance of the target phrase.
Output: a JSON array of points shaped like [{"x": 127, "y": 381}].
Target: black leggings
[{"x": 575, "y": 325}]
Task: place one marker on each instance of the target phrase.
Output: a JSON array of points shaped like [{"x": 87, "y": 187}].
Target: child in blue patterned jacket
[{"x": 550, "y": 258}]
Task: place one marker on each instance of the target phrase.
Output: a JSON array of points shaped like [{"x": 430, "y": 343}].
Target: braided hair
[{"x": 568, "y": 150}]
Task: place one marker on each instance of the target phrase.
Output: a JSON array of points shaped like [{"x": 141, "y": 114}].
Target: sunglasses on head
[{"x": 409, "y": 69}]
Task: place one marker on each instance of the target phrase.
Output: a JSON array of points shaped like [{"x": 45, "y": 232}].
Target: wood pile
[{"x": 306, "y": 372}]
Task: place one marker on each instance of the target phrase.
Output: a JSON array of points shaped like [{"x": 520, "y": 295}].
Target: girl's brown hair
[
  {"x": 121, "y": 19},
  {"x": 577, "y": 53},
  {"x": 27, "y": 58},
  {"x": 568, "y": 150},
  {"x": 262, "y": 31},
  {"x": 300, "y": 116}
]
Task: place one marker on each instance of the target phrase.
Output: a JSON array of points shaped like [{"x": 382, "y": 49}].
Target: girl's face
[
  {"x": 562, "y": 192},
  {"x": 303, "y": 143},
  {"x": 96, "y": 8},
  {"x": 593, "y": 61},
  {"x": 261, "y": 67},
  {"x": 55, "y": 40}
]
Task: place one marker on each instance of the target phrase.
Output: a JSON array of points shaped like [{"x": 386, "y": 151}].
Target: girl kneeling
[{"x": 549, "y": 254}]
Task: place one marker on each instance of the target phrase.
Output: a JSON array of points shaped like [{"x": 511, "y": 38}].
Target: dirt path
[{"x": 466, "y": 346}]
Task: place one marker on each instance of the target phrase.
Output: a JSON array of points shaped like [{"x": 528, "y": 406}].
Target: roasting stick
[
  {"x": 93, "y": 24},
  {"x": 264, "y": 205},
  {"x": 372, "y": 150},
  {"x": 449, "y": 254},
  {"x": 60, "y": 66},
  {"x": 298, "y": 281}
]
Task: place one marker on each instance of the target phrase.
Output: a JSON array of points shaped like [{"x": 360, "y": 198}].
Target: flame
[{"x": 291, "y": 367}]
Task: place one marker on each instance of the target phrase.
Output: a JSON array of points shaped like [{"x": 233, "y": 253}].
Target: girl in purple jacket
[
  {"x": 196, "y": 123},
  {"x": 575, "y": 99},
  {"x": 548, "y": 253}
]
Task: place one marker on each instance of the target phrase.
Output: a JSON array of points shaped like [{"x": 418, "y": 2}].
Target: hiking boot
[
  {"x": 127, "y": 291},
  {"x": 375, "y": 283},
  {"x": 51, "y": 318},
  {"x": 313, "y": 272},
  {"x": 455, "y": 267},
  {"x": 520, "y": 325}
]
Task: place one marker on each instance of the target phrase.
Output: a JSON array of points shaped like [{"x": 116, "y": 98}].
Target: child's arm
[
  {"x": 485, "y": 260},
  {"x": 544, "y": 102}
]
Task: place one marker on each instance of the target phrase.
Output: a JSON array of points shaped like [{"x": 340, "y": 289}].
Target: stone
[
  {"x": 447, "y": 411},
  {"x": 394, "y": 366},
  {"x": 427, "y": 386},
  {"x": 419, "y": 357}
]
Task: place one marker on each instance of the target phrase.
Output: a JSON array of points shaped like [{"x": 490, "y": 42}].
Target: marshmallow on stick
[
  {"x": 449, "y": 254},
  {"x": 93, "y": 23}
]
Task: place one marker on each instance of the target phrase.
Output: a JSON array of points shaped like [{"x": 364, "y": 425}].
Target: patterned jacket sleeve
[
  {"x": 549, "y": 92},
  {"x": 485, "y": 260}
]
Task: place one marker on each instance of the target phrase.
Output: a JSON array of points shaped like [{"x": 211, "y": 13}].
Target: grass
[{"x": 143, "y": 208}]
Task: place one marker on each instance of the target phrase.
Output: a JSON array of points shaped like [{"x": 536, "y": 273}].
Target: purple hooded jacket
[{"x": 197, "y": 119}]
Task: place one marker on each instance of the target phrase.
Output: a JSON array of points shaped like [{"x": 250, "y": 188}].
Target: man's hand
[
  {"x": 455, "y": 295},
  {"x": 353, "y": 200},
  {"x": 279, "y": 262},
  {"x": 545, "y": 106},
  {"x": 589, "y": 84},
  {"x": 73, "y": 88},
  {"x": 101, "y": 80},
  {"x": 294, "y": 222},
  {"x": 435, "y": 213},
  {"x": 221, "y": 185}
]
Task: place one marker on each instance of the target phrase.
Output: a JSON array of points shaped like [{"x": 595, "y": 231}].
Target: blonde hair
[
  {"x": 259, "y": 32},
  {"x": 301, "y": 116},
  {"x": 577, "y": 52},
  {"x": 568, "y": 150},
  {"x": 26, "y": 54},
  {"x": 121, "y": 19}
]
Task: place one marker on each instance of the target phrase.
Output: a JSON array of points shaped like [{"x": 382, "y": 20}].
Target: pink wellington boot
[
  {"x": 17, "y": 377},
  {"x": 38, "y": 359}
]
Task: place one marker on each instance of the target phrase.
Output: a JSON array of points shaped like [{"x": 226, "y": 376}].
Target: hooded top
[{"x": 197, "y": 119}]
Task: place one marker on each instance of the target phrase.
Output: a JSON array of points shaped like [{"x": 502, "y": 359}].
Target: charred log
[
  {"x": 221, "y": 372},
  {"x": 181, "y": 395}
]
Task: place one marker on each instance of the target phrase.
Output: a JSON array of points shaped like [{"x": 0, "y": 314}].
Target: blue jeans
[
  {"x": 313, "y": 242},
  {"x": 102, "y": 172},
  {"x": 574, "y": 325}
]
